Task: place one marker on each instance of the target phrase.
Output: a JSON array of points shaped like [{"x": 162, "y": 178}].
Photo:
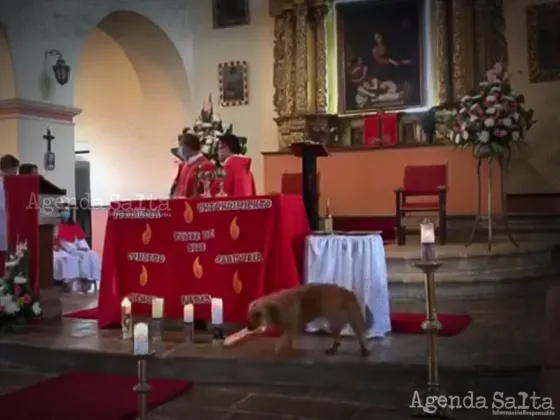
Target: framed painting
[
  {"x": 228, "y": 13},
  {"x": 380, "y": 55},
  {"x": 234, "y": 87},
  {"x": 543, "y": 42}
]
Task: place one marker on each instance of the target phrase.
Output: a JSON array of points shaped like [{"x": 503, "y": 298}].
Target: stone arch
[
  {"x": 7, "y": 74},
  {"x": 132, "y": 87}
]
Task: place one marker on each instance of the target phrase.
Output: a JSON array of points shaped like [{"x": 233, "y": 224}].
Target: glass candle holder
[
  {"x": 126, "y": 323},
  {"x": 156, "y": 329}
]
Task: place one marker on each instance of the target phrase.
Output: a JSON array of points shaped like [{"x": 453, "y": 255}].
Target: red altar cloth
[{"x": 191, "y": 250}]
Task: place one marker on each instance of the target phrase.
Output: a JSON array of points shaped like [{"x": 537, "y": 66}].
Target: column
[
  {"x": 443, "y": 51},
  {"x": 481, "y": 33},
  {"x": 463, "y": 50},
  {"x": 301, "y": 77},
  {"x": 321, "y": 83}
]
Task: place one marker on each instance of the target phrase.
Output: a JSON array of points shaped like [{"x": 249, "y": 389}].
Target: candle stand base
[
  {"x": 156, "y": 329},
  {"x": 218, "y": 334},
  {"x": 429, "y": 406},
  {"x": 143, "y": 388},
  {"x": 189, "y": 331}
]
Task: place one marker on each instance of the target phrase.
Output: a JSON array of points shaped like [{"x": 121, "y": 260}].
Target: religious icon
[
  {"x": 543, "y": 33},
  {"x": 227, "y": 13},
  {"x": 234, "y": 88},
  {"x": 381, "y": 58},
  {"x": 50, "y": 162}
]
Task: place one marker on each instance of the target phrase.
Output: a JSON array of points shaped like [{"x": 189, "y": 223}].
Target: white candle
[
  {"x": 126, "y": 306},
  {"x": 427, "y": 233},
  {"x": 157, "y": 308},
  {"x": 141, "y": 340},
  {"x": 188, "y": 313},
  {"x": 217, "y": 311}
]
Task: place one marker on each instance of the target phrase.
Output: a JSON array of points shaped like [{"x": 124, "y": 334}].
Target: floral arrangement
[
  {"x": 18, "y": 304},
  {"x": 491, "y": 119},
  {"x": 209, "y": 127}
]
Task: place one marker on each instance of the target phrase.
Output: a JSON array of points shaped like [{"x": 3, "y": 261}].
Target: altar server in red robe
[
  {"x": 238, "y": 180},
  {"x": 71, "y": 238},
  {"x": 9, "y": 165},
  {"x": 187, "y": 184}
]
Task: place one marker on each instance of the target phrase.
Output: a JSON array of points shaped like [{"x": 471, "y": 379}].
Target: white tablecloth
[{"x": 356, "y": 262}]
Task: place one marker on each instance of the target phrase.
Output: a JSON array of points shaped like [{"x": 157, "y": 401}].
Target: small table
[{"x": 355, "y": 261}]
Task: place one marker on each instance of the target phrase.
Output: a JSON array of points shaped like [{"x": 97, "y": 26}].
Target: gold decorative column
[
  {"x": 320, "y": 12},
  {"x": 481, "y": 32},
  {"x": 463, "y": 49},
  {"x": 301, "y": 76},
  {"x": 443, "y": 50}
]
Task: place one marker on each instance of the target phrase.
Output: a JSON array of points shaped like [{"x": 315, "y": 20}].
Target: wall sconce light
[{"x": 61, "y": 69}]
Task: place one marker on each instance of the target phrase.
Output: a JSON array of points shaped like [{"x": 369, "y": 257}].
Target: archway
[
  {"x": 132, "y": 88},
  {"x": 8, "y": 127}
]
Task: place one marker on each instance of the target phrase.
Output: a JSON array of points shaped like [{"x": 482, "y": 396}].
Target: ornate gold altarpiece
[{"x": 469, "y": 39}]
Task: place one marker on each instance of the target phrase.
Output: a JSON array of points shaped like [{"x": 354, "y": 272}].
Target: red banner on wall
[
  {"x": 22, "y": 209},
  {"x": 192, "y": 250}
]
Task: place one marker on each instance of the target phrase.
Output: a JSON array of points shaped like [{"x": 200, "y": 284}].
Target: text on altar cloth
[
  {"x": 146, "y": 257},
  {"x": 254, "y": 204}
]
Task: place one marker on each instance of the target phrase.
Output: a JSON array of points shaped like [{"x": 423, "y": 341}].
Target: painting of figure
[
  {"x": 233, "y": 83},
  {"x": 381, "y": 50},
  {"x": 543, "y": 42}
]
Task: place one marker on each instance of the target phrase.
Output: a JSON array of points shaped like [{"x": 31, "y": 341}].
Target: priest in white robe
[{"x": 71, "y": 239}]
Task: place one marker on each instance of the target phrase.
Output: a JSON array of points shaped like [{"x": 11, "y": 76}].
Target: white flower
[
  {"x": 489, "y": 122},
  {"x": 515, "y": 135},
  {"x": 473, "y": 118},
  {"x": 466, "y": 98},
  {"x": 484, "y": 136},
  {"x": 457, "y": 138},
  {"x": 515, "y": 116},
  {"x": 507, "y": 122},
  {"x": 10, "y": 305},
  {"x": 465, "y": 135},
  {"x": 36, "y": 308},
  {"x": 205, "y": 149},
  {"x": 20, "y": 280},
  {"x": 491, "y": 98}
]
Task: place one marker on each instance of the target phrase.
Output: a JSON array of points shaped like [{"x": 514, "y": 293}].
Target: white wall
[{"x": 536, "y": 169}]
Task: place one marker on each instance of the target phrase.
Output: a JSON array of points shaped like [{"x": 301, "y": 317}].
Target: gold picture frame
[
  {"x": 542, "y": 50},
  {"x": 234, "y": 85}
]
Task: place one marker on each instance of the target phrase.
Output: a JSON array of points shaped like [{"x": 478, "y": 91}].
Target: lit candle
[
  {"x": 217, "y": 311},
  {"x": 126, "y": 306},
  {"x": 427, "y": 233},
  {"x": 141, "y": 341},
  {"x": 157, "y": 308},
  {"x": 188, "y": 313}
]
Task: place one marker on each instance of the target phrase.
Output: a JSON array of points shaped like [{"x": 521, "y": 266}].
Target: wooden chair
[{"x": 430, "y": 184}]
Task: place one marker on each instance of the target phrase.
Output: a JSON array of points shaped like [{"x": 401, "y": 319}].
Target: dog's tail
[{"x": 357, "y": 321}]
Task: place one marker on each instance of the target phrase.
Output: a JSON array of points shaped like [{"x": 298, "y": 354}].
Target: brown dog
[{"x": 291, "y": 310}]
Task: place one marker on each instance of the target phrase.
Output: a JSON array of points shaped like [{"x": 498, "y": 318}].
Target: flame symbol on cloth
[
  {"x": 188, "y": 214},
  {"x": 197, "y": 268},
  {"x": 237, "y": 284},
  {"x": 143, "y": 276},
  {"x": 147, "y": 234},
  {"x": 234, "y": 229}
]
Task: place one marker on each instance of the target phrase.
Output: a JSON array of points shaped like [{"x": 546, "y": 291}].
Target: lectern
[{"x": 309, "y": 152}]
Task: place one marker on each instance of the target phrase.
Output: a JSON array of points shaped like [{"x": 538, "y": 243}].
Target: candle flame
[
  {"x": 147, "y": 234},
  {"x": 237, "y": 284},
  {"x": 197, "y": 268},
  {"x": 144, "y": 276},
  {"x": 188, "y": 214},
  {"x": 234, "y": 230}
]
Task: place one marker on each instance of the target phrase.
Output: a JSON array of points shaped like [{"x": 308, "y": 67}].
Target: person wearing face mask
[
  {"x": 71, "y": 238},
  {"x": 189, "y": 149}
]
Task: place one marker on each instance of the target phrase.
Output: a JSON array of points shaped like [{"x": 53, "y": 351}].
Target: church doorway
[
  {"x": 131, "y": 85},
  {"x": 8, "y": 126}
]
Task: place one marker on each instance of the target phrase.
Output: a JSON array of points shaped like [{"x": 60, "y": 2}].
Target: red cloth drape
[
  {"x": 22, "y": 209},
  {"x": 371, "y": 129},
  {"x": 390, "y": 129}
]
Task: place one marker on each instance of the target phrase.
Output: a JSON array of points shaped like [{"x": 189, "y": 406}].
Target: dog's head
[{"x": 262, "y": 314}]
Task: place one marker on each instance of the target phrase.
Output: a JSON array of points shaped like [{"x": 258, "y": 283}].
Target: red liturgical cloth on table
[
  {"x": 192, "y": 250},
  {"x": 390, "y": 129},
  {"x": 371, "y": 130}
]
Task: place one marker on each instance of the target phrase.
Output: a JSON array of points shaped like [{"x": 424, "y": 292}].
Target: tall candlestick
[
  {"x": 217, "y": 306},
  {"x": 157, "y": 308},
  {"x": 141, "y": 340},
  {"x": 126, "y": 319}
]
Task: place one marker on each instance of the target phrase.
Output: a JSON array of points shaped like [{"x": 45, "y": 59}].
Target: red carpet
[
  {"x": 86, "y": 396},
  {"x": 403, "y": 323}
]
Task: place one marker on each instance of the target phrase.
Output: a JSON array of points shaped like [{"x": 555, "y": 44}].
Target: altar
[{"x": 192, "y": 250}]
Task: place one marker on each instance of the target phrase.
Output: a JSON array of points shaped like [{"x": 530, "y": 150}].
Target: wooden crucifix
[{"x": 49, "y": 155}]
